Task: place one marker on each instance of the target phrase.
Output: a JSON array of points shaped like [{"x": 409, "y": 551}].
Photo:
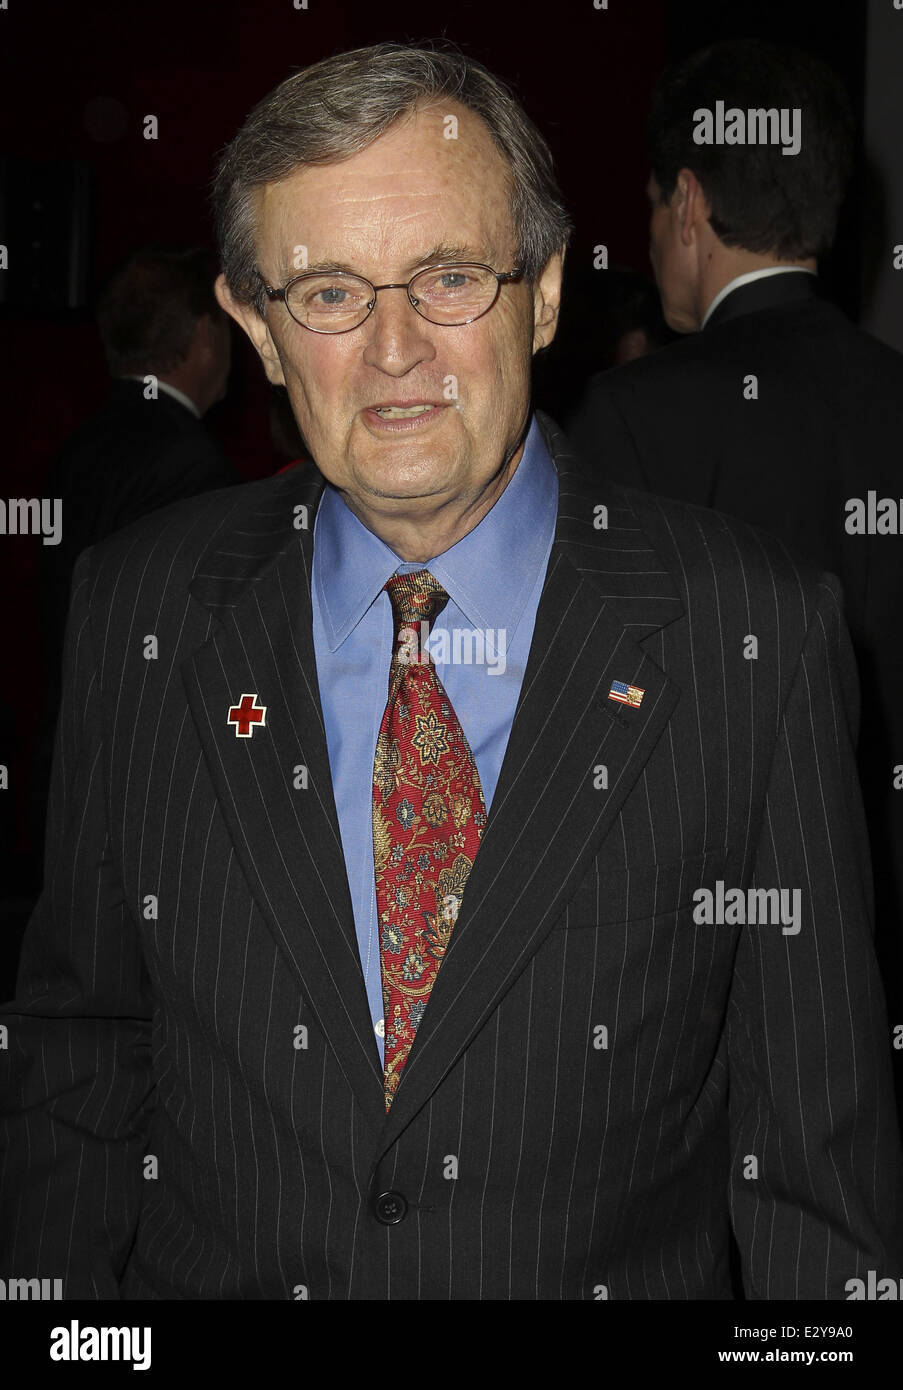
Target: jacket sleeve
[
  {"x": 76, "y": 1092},
  {"x": 816, "y": 1173}
]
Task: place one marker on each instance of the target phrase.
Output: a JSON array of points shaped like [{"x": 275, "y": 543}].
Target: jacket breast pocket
[{"x": 639, "y": 892}]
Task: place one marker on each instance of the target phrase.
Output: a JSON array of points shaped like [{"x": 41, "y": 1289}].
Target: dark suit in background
[
  {"x": 826, "y": 427},
  {"x": 131, "y": 457},
  {"x": 601, "y": 1066}
]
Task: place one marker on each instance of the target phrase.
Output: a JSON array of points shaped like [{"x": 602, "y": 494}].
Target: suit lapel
[
  {"x": 256, "y": 581},
  {"x": 605, "y": 590}
]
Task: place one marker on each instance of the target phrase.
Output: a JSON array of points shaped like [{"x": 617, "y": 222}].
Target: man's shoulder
[
  {"x": 657, "y": 369},
  {"x": 796, "y": 340},
  {"x": 711, "y": 554},
  {"x": 702, "y": 550},
  {"x": 167, "y": 545}
]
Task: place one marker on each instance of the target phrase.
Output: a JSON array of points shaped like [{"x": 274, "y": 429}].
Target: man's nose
[{"x": 398, "y": 337}]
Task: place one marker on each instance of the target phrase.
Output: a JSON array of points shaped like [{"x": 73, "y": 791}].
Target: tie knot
[{"x": 416, "y": 597}]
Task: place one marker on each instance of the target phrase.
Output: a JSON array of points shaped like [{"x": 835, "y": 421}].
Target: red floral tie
[{"x": 428, "y": 817}]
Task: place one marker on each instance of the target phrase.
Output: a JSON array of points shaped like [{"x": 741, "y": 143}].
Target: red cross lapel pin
[{"x": 247, "y": 716}]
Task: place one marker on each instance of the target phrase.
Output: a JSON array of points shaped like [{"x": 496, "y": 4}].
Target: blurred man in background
[
  {"x": 773, "y": 406},
  {"x": 167, "y": 345}
]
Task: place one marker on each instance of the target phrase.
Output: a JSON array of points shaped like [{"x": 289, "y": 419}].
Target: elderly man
[{"x": 458, "y": 886}]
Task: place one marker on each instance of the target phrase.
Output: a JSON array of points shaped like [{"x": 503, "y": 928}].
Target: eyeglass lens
[{"x": 335, "y": 302}]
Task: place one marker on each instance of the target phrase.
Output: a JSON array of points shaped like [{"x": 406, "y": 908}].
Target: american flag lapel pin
[
  {"x": 247, "y": 716},
  {"x": 626, "y": 694}
]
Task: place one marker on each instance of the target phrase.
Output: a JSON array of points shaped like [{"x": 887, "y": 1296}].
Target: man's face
[
  {"x": 383, "y": 214},
  {"x": 673, "y": 263}
]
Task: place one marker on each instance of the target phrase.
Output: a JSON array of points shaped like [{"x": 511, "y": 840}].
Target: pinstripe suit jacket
[{"x": 600, "y": 1087}]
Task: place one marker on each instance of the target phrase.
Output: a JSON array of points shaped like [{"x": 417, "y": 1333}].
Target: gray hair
[{"x": 339, "y": 106}]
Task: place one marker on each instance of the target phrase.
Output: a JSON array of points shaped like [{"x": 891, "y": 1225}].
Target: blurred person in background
[
  {"x": 147, "y": 446},
  {"x": 772, "y": 406}
]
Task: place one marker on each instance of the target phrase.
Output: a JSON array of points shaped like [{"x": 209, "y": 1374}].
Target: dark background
[{"x": 77, "y": 83}]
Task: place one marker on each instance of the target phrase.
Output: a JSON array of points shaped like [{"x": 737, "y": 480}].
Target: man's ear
[
  {"x": 256, "y": 328},
  {"x": 547, "y": 301},
  {"x": 690, "y": 205}
]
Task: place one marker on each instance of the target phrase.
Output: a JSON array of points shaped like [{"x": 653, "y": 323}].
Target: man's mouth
[
  {"x": 393, "y": 418},
  {"x": 400, "y": 412}
]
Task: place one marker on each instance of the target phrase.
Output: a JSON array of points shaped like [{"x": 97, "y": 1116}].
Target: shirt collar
[
  {"x": 351, "y": 564},
  {"x": 174, "y": 392},
  {"x": 747, "y": 279}
]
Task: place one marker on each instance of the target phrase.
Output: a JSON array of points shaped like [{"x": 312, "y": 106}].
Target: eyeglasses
[{"x": 334, "y": 302}]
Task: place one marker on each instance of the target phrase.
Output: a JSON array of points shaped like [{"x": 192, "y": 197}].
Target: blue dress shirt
[{"x": 494, "y": 577}]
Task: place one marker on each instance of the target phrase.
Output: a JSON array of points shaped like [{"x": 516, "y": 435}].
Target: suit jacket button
[{"x": 390, "y": 1208}]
